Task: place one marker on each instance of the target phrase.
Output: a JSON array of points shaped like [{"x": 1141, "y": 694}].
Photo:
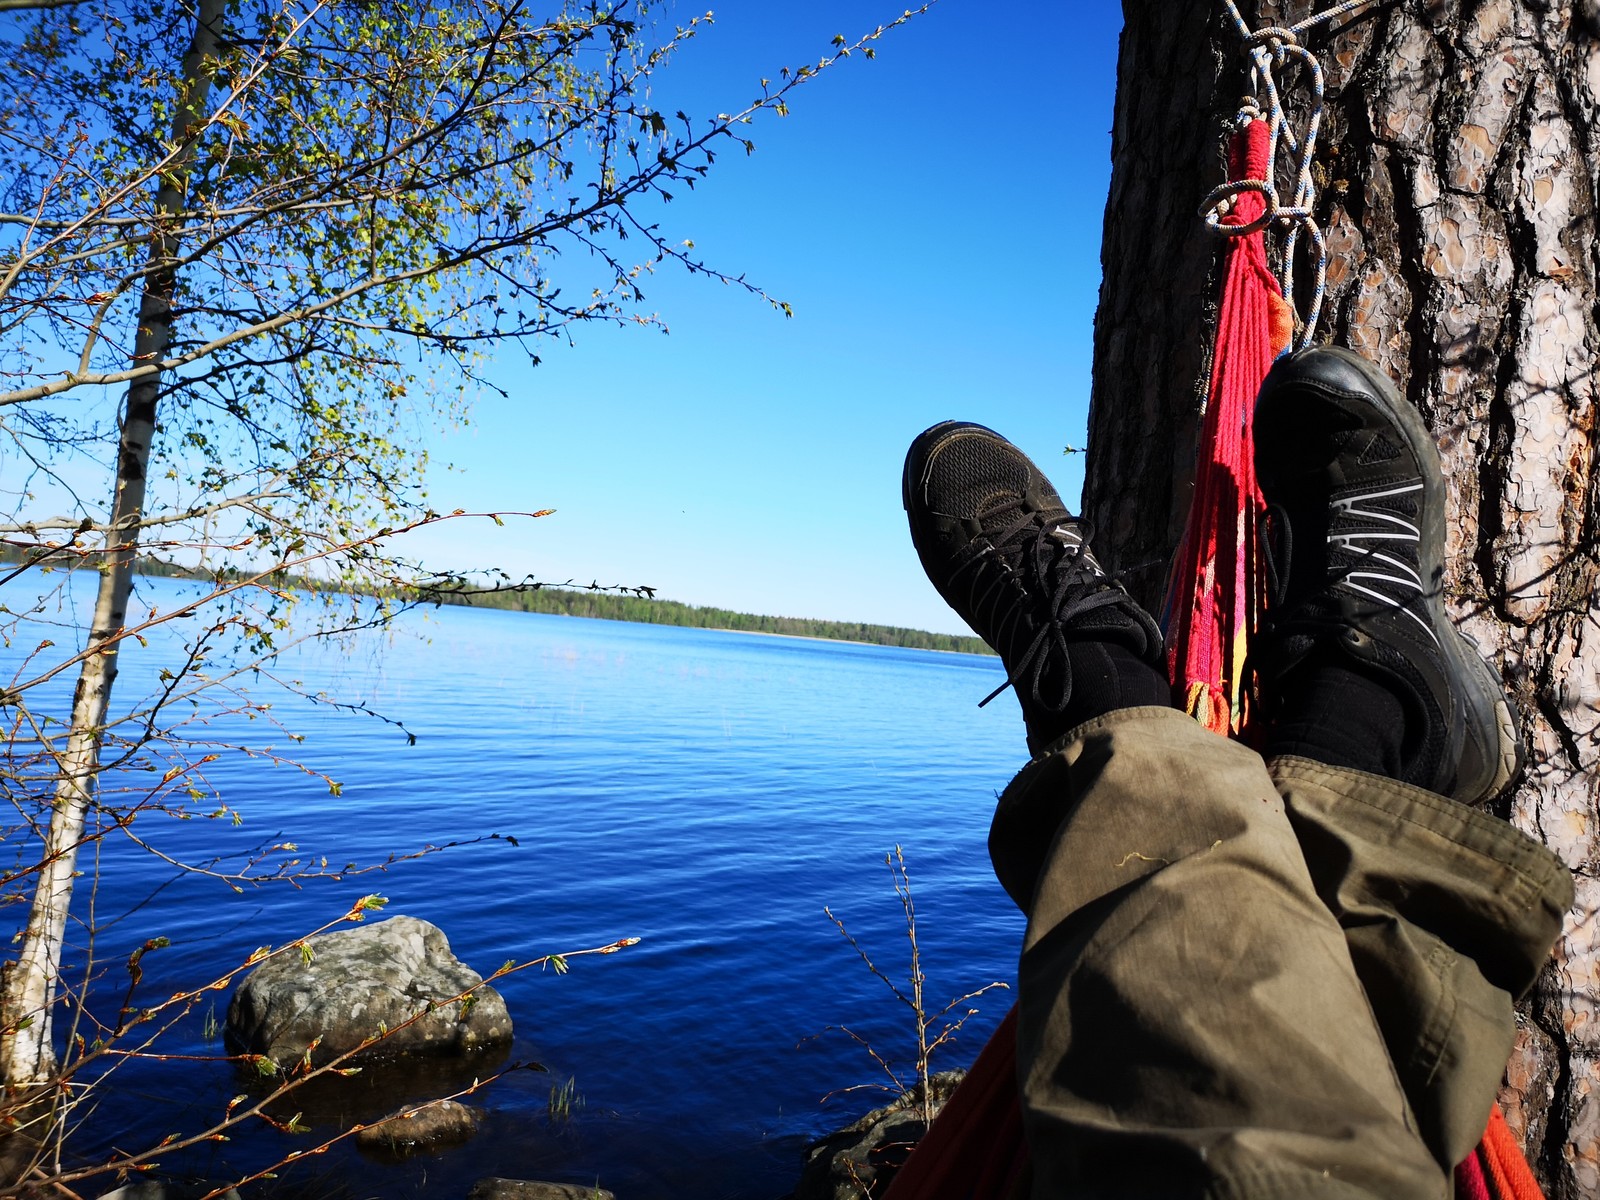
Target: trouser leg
[
  {"x": 1191, "y": 1023},
  {"x": 1448, "y": 914}
]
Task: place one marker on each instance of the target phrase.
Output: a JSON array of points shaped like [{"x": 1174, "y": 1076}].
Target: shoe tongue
[
  {"x": 1112, "y": 623},
  {"x": 1070, "y": 534}
]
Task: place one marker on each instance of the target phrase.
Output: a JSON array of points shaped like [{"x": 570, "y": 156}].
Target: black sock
[
  {"x": 1106, "y": 676},
  {"x": 1342, "y": 717}
]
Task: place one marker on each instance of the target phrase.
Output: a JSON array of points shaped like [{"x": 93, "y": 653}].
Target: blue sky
[{"x": 934, "y": 218}]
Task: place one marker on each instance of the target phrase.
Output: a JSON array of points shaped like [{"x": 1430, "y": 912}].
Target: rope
[{"x": 1270, "y": 48}]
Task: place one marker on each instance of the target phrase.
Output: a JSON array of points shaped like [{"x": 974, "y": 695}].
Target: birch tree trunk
[
  {"x": 28, "y": 1055},
  {"x": 1459, "y": 168}
]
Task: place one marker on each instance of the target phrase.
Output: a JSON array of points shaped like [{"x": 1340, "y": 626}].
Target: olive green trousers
[{"x": 1252, "y": 979}]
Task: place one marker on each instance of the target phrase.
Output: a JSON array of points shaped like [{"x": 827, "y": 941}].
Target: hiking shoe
[
  {"x": 1356, "y": 508},
  {"x": 1003, "y": 551}
]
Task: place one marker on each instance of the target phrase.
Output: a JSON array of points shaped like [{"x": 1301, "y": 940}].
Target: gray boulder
[
  {"x": 359, "y": 982},
  {"x": 859, "y": 1162},
  {"x": 419, "y": 1127},
  {"x": 529, "y": 1189}
]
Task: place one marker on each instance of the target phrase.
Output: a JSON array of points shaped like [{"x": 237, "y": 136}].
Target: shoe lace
[
  {"x": 1308, "y": 617},
  {"x": 1060, "y": 570}
]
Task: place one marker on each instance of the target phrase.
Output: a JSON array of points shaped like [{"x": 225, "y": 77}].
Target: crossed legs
[
  {"x": 1249, "y": 976},
  {"x": 1251, "y": 981}
]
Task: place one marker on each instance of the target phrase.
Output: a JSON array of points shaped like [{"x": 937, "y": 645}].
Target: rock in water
[
  {"x": 860, "y": 1161},
  {"x": 420, "y": 1127},
  {"x": 157, "y": 1189},
  {"x": 530, "y": 1189},
  {"x": 359, "y": 982}
]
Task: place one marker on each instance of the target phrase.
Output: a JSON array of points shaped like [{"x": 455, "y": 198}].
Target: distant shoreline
[
  {"x": 637, "y": 609},
  {"x": 609, "y": 606},
  {"x": 813, "y": 637}
]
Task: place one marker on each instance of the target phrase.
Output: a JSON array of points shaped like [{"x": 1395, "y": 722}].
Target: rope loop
[
  {"x": 1218, "y": 203},
  {"x": 1271, "y": 48}
]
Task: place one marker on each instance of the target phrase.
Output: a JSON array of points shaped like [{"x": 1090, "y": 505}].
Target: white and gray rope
[{"x": 1270, "y": 48}]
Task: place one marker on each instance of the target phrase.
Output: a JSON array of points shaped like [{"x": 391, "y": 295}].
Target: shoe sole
[{"x": 1483, "y": 690}]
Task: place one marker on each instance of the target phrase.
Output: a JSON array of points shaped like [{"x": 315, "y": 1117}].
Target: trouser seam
[{"x": 1431, "y": 1045}]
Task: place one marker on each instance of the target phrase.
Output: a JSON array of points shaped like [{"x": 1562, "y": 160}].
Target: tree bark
[
  {"x": 1459, "y": 167},
  {"x": 27, "y": 1054}
]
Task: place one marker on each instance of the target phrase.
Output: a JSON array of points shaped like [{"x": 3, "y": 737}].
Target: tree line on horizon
[
  {"x": 603, "y": 605},
  {"x": 607, "y": 606}
]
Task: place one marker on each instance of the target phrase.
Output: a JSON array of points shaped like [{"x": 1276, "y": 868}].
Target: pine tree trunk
[
  {"x": 27, "y": 1055},
  {"x": 1459, "y": 166}
]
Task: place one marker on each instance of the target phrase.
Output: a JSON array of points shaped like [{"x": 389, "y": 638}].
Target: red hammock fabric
[
  {"x": 1499, "y": 1156},
  {"x": 975, "y": 1149},
  {"x": 1216, "y": 584}
]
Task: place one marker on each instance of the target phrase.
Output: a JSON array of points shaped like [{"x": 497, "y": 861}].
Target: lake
[{"x": 706, "y": 792}]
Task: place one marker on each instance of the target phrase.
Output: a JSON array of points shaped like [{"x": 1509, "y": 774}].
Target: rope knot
[
  {"x": 1249, "y": 111},
  {"x": 1272, "y": 37}
]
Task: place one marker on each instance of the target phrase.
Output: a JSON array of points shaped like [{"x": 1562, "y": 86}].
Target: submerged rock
[
  {"x": 529, "y": 1189},
  {"x": 329, "y": 1103},
  {"x": 165, "y": 1189},
  {"x": 356, "y": 984},
  {"x": 860, "y": 1161},
  {"x": 413, "y": 1128}
]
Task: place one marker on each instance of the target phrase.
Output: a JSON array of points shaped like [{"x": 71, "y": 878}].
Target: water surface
[{"x": 706, "y": 792}]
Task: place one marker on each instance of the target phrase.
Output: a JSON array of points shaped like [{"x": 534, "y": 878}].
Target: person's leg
[
  {"x": 1448, "y": 915},
  {"x": 1191, "y": 1023},
  {"x": 1373, "y": 696},
  {"x": 1190, "y": 1020}
]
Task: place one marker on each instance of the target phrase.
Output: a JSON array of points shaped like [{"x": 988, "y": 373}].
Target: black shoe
[
  {"x": 1003, "y": 551},
  {"x": 1356, "y": 517}
]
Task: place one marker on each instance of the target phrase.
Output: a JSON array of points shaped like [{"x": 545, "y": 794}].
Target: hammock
[{"x": 975, "y": 1148}]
